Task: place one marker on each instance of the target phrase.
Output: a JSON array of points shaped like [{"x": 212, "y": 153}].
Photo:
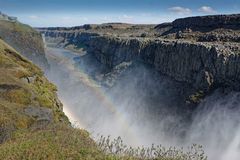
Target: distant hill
[
  {"x": 7, "y": 18},
  {"x": 24, "y": 39}
]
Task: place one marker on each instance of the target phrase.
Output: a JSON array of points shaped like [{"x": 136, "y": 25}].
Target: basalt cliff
[{"x": 200, "y": 51}]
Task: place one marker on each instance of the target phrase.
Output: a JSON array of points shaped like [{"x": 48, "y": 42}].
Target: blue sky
[{"x": 39, "y": 13}]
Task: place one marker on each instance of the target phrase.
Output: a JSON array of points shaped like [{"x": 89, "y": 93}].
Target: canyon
[
  {"x": 168, "y": 80},
  {"x": 174, "y": 84},
  {"x": 204, "y": 56}
]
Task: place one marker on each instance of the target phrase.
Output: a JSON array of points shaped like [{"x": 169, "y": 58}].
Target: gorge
[
  {"x": 171, "y": 84},
  {"x": 174, "y": 86}
]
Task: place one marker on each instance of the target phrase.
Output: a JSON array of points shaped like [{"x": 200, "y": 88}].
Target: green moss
[
  {"x": 20, "y": 96},
  {"x": 45, "y": 92},
  {"x": 6, "y": 62},
  {"x": 54, "y": 142},
  {"x": 16, "y": 92},
  {"x": 11, "y": 115}
]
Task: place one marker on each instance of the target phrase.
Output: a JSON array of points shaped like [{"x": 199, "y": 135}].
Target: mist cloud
[{"x": 144, "y": 107}]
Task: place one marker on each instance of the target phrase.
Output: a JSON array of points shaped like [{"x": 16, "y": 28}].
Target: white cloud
[
  {"x": 126, "y": 18},
  {"x": 207, "y": 9},
  {"x": 72, "y": 19},
  {"x": 33, "y": 17},
  {"x": 66, "y": 18},
  {"x": 146, "y": 14},
  {"x": 84, "y": 18},
  {"x": 180, "y": 10},
  {"x": 105, "y": 19}
]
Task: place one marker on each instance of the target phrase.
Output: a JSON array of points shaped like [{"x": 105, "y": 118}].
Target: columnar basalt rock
[
  {"x": 203, "y": 61},
  {"x": 203, "y": 65}
]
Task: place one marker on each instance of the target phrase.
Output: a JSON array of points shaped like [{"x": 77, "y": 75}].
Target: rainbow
[{"x": 80, "y": 75}]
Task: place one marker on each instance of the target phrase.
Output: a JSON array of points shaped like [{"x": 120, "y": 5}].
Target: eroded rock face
[
  {"x": 201, "y": 64},
  {"x": 39, "y": 113},
  {"x": 43, "y": 116}
]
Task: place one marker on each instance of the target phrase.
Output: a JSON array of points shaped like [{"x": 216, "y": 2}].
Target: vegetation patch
[
  {"x": 58, "y": 141},
  {"x": 116, "y": 148},
  {"x": 53, "y": 142},
  {"x": 20, "y": 96},
  {"x": 23, "y": 85}
]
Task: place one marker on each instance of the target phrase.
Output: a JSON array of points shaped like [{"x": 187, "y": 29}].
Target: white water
[{"x": 215, "y": 123}]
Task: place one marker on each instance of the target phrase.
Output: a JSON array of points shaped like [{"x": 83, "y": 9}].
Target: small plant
[
  {"x": 196, "y": 97},
  {"x": 117, "y": 148}
]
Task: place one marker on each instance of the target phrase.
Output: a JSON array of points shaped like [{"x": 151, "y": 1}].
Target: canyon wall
[{"x": 204, "y": 65}]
